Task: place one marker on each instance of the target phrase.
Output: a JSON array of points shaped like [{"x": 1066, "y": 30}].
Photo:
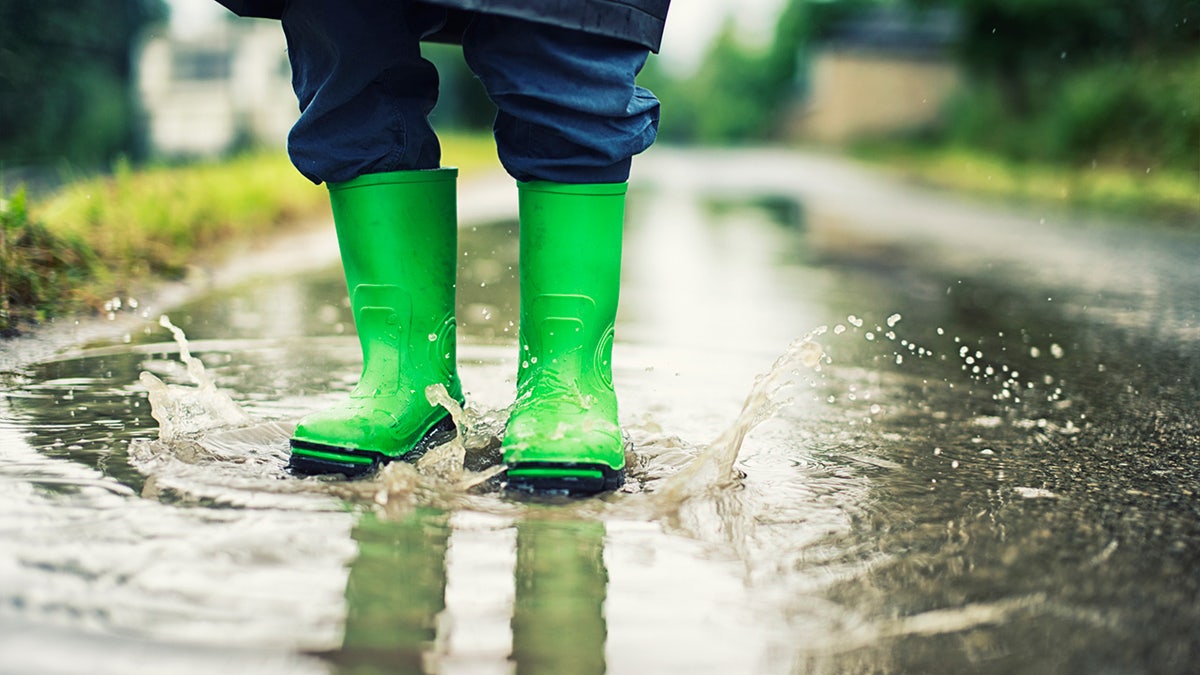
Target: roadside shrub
[
  {"x": 38, "y": 269},
  {"x": 1133, "y": 114}
]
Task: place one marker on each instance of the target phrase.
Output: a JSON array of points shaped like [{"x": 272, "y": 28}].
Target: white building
[{"x": 218, "y": 88}]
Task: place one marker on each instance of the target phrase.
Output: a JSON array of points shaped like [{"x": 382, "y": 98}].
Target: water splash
[
  {"x": 445, "y": 461},
  {"x": 182, "y": 412},
  {"x": 209, "y": 447},
  {"x": 448, "y": 460},
  {"x": 714, "y": 471}
]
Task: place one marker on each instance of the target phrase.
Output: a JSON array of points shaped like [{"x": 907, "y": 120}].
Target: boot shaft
[
  {"x": 570, "y": 272},
  {"x": 399, "y": 228},
  {"x": 398, "y": 238}
]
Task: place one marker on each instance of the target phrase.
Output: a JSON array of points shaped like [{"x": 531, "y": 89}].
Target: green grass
[
  {"x": 1136, "y": 194},
  {"x": 100, "y": 236}
]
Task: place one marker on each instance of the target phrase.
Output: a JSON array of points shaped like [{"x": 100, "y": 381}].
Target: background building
[
  {"x": 885, "y": 70},
  {"x": 222, "y": 87}
]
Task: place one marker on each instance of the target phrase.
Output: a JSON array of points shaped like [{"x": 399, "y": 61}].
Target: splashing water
[
  {"x": 445, "y": 461},
  {"x": 714, "y": 469},
  {"x": 191, "y": 418},
  {"x": 448, "y": 460},
  {"x": 202, "y": 429},
  {"x": 182, "y": 412}
]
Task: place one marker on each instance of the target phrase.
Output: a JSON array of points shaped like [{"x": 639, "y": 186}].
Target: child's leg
[
  {"x": 570, "y": 118},
  {"x": 365, "y": 92},
  {"x": 569, "y": 109},
  {"x": 363, "y": 88}
]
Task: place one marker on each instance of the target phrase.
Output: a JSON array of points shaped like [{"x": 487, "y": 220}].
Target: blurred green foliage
[
  {"x": 65, "y": 79},
  {"x": 1127, "y": 113},
  {"x": 739, "y": 91},
  {"x": 98, "y": 237},
  {"x": 1025, "y": 47},
  {"x": 1080, "y": 82},
  {"x": 35, "y": 264}
]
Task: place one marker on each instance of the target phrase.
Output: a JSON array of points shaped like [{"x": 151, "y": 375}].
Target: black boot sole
[
  {"x": 609, "y": 479},
  {"x": 321, "y": 459}
]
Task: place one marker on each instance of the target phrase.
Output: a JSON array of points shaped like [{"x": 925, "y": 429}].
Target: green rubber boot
[
  {"x": 563, "y": 433},
  {"x": 398, "y": 237}
]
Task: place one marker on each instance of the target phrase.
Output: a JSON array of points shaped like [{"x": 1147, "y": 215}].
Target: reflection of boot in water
[
  {"x": 398, "y": 240},
  {"x": 563, "y": 432},
  {"x": 558, "y": 619},
  {"x": 396, "y": 590}
]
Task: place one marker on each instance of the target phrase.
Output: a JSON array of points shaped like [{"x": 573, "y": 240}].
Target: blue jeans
[{"x": 568, "y": 108}]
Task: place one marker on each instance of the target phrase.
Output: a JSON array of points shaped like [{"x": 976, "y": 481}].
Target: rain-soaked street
[{"x": 982, "y": 458}]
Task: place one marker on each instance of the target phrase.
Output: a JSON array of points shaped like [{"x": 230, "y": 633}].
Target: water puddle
[{"x": 206, "y": 442}]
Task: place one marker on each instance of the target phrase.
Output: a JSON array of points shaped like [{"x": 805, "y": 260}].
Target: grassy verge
[
  {"x": 97, "y": 237},
  {"x": 1167, "y": 196}
]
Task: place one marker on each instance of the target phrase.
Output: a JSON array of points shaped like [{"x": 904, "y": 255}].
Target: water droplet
[
  {"x": 1056, "y": 351},
  {"x": 893, "y": 320},
  {"x": 433, "y": 337},
  {"x": 855, "y": 321}
]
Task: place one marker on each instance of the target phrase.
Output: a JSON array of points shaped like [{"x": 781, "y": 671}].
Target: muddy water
[{"x": 982, "y": 459}]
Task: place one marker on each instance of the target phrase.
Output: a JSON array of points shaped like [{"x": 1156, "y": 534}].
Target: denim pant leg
[
  {"x": 569, "y": 110},
  {"x": 365, "y": 92}
]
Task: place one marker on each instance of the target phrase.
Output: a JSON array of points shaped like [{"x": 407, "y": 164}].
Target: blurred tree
[
  {"x": 65, "y": 78},
  {"x": 1080, "y": 81},
  {"x": 739, "y": 91},
  {"x": 1022, "y": 45}
]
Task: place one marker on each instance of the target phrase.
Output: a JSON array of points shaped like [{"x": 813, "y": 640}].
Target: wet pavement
[{"x": 983, "y": 459}]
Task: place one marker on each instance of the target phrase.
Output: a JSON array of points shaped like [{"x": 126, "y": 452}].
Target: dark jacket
[{"x": 639, "y": 21}]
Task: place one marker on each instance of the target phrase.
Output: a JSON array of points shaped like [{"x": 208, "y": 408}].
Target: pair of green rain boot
[{"x": 398, "y": 237}]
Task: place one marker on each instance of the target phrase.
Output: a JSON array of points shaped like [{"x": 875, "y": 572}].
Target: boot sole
[
  {"x": 569, "y": 478},
  {"x": 318, "y": 459}
]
